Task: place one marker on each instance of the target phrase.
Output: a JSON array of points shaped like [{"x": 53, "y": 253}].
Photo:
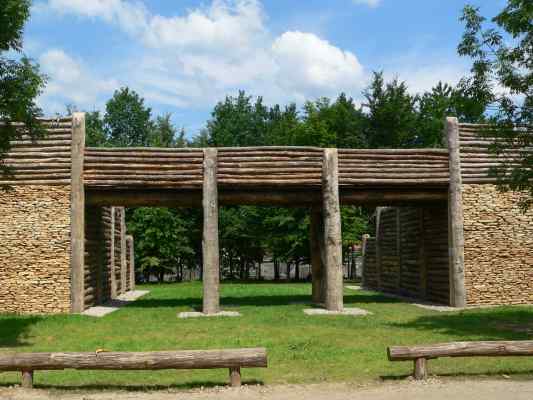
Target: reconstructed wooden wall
[
  {"x": 106, "y": 259},
  {"x": 410, "y": 255}
]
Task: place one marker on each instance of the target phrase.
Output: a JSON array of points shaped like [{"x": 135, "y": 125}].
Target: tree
[
  {"x": 503, "y": 69},
  {"x": 238, "y": 122},
  {"x": 462, "y": 101},
  {"x": 164, "y": 133},
  {"x": 392, "y": 114},
  {"x": 20, "y": 81},
  {"x": 338, "y": 124},
  {"x": 127, "y": 119},
  {"x": 162, "y": 242}
]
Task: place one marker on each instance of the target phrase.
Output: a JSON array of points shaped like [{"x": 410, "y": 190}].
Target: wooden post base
[
  {"x": 420, "y": 369},
  {"x": 235, "y": 377},
  {"x": 27, "y": 379}
]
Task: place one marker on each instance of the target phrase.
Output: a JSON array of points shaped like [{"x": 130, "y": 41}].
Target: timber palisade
[
  {"x": 233, "y": 359},
  {"x": 69, "y": 193},
  {"x": 420, "y": 354}
]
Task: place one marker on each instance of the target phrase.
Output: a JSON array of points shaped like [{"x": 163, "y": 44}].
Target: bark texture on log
[
  {"x": 210, "y": 245},
  {"x": 77, "y": 214},
  {"x": 455, "y": 217},
  {"x": 462, "y": 349},
  {"x": 332, "y": 231},
  {"x": 186, "y": 359}
]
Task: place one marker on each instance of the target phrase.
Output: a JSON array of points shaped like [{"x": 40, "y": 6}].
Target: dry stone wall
[
  {"x": 35, "y": 249},
  {"x": 498, "y": 247}
]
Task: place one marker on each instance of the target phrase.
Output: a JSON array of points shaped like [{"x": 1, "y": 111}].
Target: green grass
[{"x": 301, "y": 349}]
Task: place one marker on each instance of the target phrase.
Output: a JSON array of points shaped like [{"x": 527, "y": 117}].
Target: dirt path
[{"x": 432, "y": 390}]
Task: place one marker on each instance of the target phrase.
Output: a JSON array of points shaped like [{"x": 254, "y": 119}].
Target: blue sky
[{"x": 183, "y": 56}]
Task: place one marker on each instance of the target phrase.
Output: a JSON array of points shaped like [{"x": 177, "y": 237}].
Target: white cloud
[
  {"x": 196, "y": 58},
  {"x": 369, "y": 3},
  {"x": 71, "y": 82},
  {"x": 307, "y": 62}
]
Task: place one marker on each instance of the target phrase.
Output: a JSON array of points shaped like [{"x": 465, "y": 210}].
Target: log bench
[
  {"x": 420, "y": 354},
  {"x": 234, "y": 360}
]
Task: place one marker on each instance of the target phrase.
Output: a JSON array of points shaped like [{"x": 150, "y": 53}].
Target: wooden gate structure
[{"x": 321, "y": 179}]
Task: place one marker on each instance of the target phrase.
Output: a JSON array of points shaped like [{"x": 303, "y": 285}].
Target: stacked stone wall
[
  {"x": 498, "y": 247},
  {"x": 35, "y": 249}
]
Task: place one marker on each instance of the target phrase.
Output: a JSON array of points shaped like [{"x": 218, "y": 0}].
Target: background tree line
[{"x": 498, "y": 90}]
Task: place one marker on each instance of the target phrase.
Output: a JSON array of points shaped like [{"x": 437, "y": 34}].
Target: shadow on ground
[
  {"x": 138, "y": 388},
  {"x": 256, "y": 301},
  {"x": 13, "y": 330},
  {"x": 483, "y": 324}
]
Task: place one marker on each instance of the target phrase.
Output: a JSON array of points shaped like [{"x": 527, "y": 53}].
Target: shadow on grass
[
  {"x": 13, "y": 329},
  {"x": 484, "y": 324},
  {"x": 256, "y": 301},
  {"x": 139, "y": 388}
]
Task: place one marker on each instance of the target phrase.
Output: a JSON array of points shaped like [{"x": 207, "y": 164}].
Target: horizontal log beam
[
  {"x": 189, "y": 359},
  {"x": 297, "y": 198},
  {"x": 462, "y": 349}
]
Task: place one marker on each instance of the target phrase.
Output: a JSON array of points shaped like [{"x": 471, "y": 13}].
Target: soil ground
[{"x": 406, "y": 390}]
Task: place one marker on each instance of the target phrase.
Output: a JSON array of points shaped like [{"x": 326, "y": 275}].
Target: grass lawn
[{"x": 301, "y": 349}]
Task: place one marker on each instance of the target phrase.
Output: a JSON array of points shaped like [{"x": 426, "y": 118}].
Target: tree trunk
[
  {"x": 276, "y": 270},
  {"x": 297, "y": 270}
]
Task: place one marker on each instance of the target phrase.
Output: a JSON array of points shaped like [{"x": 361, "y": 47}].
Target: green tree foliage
[
  {"x": 392, "y": 113},
  {"x": 502, "y": 69},
  {"x": 127, "y": 120},
  {"x": 163, "y": 133},
  {"x": 20, "y": 81},
  {"x": 162, "y": 240}
]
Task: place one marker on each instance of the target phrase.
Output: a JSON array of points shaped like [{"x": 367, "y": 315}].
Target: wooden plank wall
[{"x": 411, "y": 258}]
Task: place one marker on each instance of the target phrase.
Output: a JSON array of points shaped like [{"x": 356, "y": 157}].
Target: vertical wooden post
[
  {"x": 210, "y": 247},
  {"x": 364, "y": 243},
  {"x": 27, "y": 379},
  {"x": 235, "y": 376},
  {"x": 422, "y": 255},
  {"x": 456, "y": 240},
  {"x": 399, "y": 249},
  {"x": 420, "y": 368},
  {"x": 131, "y": 250},
  {"x": 317, "y": 271},
  {"x": 378, "y": 247},
  {"x": 112, "y": 258},
  {"x": 100, "y": 257},
  {"x": 332, "y": 230},
  {"x": 123, "y": 250},
  {"x": 77, "y": 215}
]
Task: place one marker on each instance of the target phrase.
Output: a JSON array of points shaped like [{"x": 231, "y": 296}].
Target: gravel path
[{"x": 431, "y": 390}]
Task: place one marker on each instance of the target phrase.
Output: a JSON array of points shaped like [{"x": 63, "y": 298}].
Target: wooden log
[
  {"x": 123, "y": 250},
  {"x": 113, "y": 244},
  {"x": 131, "y": 250},
  {"x": 332, "y": 231},
  {"x": 235, "y": 376},
  {"x": 27, "y": 379},
  {"x": 156, "y": 360},
  {"x": 455, "y": 217},
  {"x": 77, "y": 215},
  {"x": 462, "y": 349},
  {"x": 420, "y": 368},
  {"x": 210, "y": 245},
  {"x": 317, "y": 271}
]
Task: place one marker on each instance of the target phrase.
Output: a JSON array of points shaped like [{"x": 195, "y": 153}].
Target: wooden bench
[
  {"x": 420, "y": 354},
  {"x": 234, "y": 360}
]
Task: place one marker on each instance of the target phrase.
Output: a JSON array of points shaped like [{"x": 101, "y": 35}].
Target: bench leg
[
  {"x": 420, "y": 368},
  {"x": 27, "y": 379},
  {"x": 235, "y": 376}
]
